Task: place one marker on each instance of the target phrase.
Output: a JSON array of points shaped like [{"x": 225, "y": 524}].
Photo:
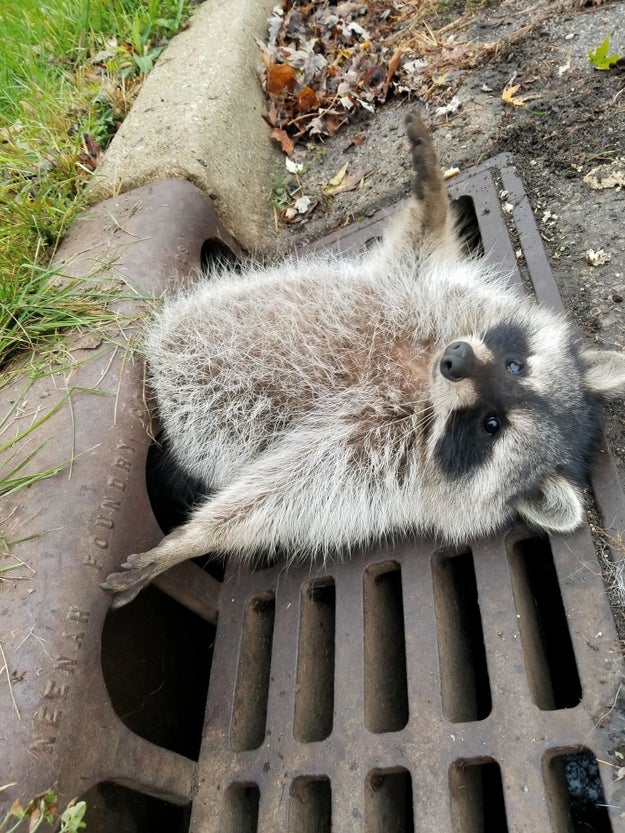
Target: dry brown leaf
[
  {"x": 356, "y": 140},
  {"x": 91, "y": 153},
  {"x": 35, "y": 820},
  {"x": 337, "y": 178},
  {"x": 307, "y": 100},
  {"x": 280, "y": 77},
  {"x": 281, "y": 136},
  {"x": 393, "y": 66},
  {"x": 348, "y": 183},
  {"x": 508, "y": 96}
]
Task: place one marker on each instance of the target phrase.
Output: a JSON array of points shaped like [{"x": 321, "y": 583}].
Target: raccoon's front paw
[{"x": 128, "y": 583}]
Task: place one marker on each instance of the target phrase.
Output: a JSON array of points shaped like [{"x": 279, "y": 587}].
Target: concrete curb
[{"x": 198, "y": 117}]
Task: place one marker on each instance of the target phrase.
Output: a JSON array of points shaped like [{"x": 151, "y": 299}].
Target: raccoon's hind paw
[
  {"x": 424, "y": 157},
  {"x": 128, "y": 583}
]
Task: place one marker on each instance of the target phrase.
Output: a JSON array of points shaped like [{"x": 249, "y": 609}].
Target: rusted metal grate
[
  {"x": 407, "y": 689},
  {"x": 411, "y": 689}
]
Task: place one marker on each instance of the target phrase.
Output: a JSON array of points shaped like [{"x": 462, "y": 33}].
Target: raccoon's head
[{"x": 516, "y": 421}]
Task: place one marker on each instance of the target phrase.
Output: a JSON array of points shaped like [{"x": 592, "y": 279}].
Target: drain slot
[
  {"x": 388, "y": 802},
  {"x": 477, "y": 802},
  {"x": 310, "y": 807},
  {"x": 386, "y": 685},
  {"x": 549, "y": 658},
  {"x": 314, "y": 700},
  {"x": 240, "y": 813},
  {"x": 575, "y": 794},
  {"x": 113, "y": 807},
  {"x": 465, "y": 686},
  {"x": 249, "y": 709},
  {"x": 149, "y": 655}
]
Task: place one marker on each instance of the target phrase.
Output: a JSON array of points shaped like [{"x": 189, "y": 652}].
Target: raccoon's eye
[
  {"x": 514, "y": 367},
  {"x": 491, "y": 424}
]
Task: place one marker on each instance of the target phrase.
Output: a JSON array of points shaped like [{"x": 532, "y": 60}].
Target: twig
[{"x": 612, "y": 707}]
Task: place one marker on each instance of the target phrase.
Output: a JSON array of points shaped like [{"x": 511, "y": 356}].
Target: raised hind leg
[{"x": 424, "y": 223}]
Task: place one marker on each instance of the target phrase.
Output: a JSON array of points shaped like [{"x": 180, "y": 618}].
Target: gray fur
[{"x": 309, "y": 395}]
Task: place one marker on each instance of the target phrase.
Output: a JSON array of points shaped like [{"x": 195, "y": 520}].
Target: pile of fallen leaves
[{"x": 328, "y": 63}]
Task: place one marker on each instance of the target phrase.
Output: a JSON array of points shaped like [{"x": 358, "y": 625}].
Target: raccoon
[{"x": 328, "y": 402}]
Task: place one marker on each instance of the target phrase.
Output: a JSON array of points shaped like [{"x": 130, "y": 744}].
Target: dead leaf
[
  {"x": 301, "y": 209},
  {"x": 620, "y": 773},
  {"x": 35, "y": 819},
  {"x": 91, "y": 152},
  {"x": 509, "y": 95},
  {"x": 393, "y": 66},
  {"x": 440, "y": 79},
  {"x": 338, "y": 178},
  {"x": 280, "y": 77},
  {"x": 610, "y": 175},
  {"x": 347, "y": 183},
  {"x": 281, "y": 136},
  {"x": 307, "y": 100},
  {"x": 356, "y": 140}
]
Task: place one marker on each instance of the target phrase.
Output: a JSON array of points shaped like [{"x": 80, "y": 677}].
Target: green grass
[{"x": 69, "y": 72}]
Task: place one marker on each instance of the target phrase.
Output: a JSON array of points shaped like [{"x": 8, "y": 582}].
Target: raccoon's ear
[
  {"x": 605, "y": 372},
  {"x": 558, "y": 508}
]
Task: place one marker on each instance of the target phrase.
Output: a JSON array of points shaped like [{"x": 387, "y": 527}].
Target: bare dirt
[{"x": 571, "y": 120}]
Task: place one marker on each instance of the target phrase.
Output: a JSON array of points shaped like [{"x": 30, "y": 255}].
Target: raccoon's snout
[{"x": 458, "y": 361}]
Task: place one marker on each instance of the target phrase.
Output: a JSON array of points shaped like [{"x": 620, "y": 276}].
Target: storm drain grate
[
  {"x": 419, "y": 690},
  {"x": 409, "y": 689}
]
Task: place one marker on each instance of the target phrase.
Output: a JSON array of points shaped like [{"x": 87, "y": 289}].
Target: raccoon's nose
[{"x": 457, "y": 362}]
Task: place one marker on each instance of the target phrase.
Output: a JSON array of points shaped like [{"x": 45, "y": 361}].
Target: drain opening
[
  {"x": 240, "y": 813},
  {"x": 465, "y": 685},
  {"x": 214, "y": 252},
  {"x": 171, "y": 491},
  {"x": 249, "y": 707},
  {"x": 388, "y": 802},
  {"x": 156, "y": 657},
  {"x": 386, "y": 685},
  {"x": 113, "y": 807},
  {"x": 310, "y": 806},
  {"x": 477, "y": 802},
  {"x": 575, "y": 794},
  {"x": 463, "y": 208},
  {"x": 549, "y": 658},
  {"x": 172, "y": 494},
  {"x": 314, "y": 698}
]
